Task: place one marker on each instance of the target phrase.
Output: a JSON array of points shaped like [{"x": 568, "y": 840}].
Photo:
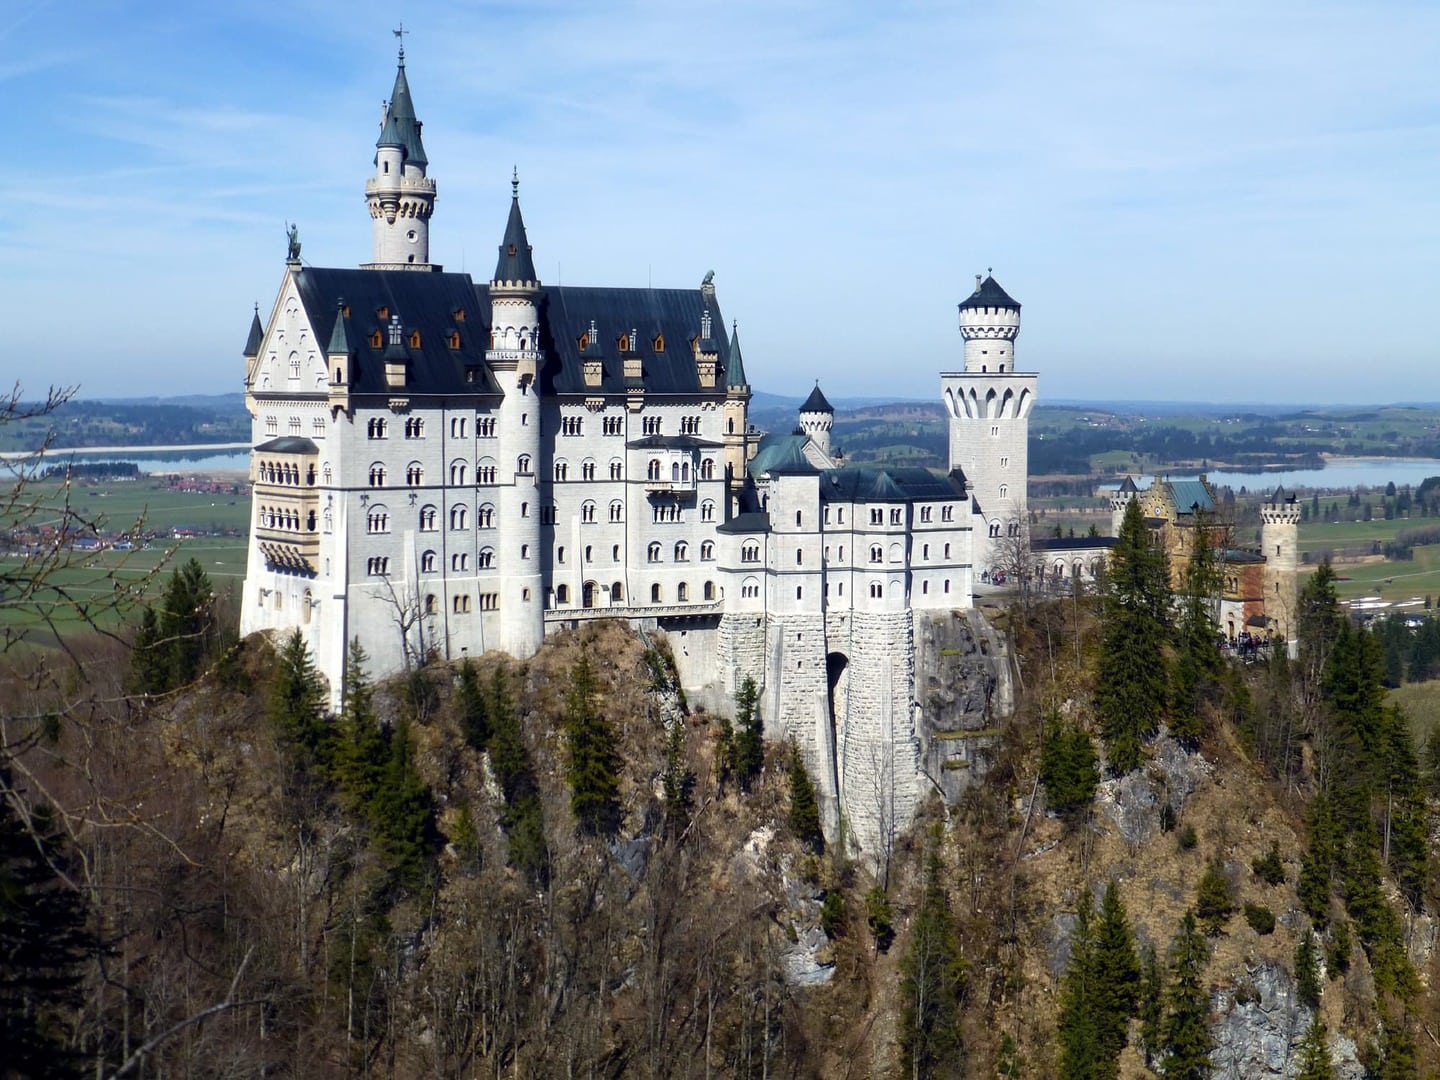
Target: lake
[
  {"x": 1338, "y": 473},
  {"x": 213, "y": 457}
]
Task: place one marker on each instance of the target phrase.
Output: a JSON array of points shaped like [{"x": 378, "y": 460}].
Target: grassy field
[
  {"x": 1393, "y": 582},
  {"x": 1421, "y": 702}
]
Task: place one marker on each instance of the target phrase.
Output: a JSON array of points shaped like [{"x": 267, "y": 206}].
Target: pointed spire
[
  {"x": 816, "y": 402},
  {"x": 257, "y": 334},
  {"x": 515, "y": 263},
  {"x": 734, "y": 364},
  {"x": 401, "y": 128},
  {"x": 339, "y": 337}
]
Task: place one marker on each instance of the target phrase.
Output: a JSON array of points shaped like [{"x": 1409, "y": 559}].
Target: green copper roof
[
  {"x": 401, "y": 128},
  {"x": 257, "y": 334},
  {"x": 734, "y": 364},
  {"x": 515, "y": 263}
]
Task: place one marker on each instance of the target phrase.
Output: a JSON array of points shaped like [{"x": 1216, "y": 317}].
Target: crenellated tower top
[
  {"x": 989, "y": 323},
  {"x": 400, "y": 195}
]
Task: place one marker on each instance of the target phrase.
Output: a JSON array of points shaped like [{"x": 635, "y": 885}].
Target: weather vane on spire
[{"x": 400, "y": 33}]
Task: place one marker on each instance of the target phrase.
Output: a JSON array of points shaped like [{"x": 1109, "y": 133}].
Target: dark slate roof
[
  {"x": 672, "y": 442},
  {"x": 673, "y": 314},
  {"x": 430, "y": 302},
  {"x": 339, "y": 337},
  {"x": 288, "y": 444},
  {"x": 1281, "y": 497},
  {"x": 401, "y": 128},
  {"x": 756, "y": 521},
  {"x": 735, "y": 366},
  {"x": 816, "y": 402},
  {"x": 425, "y": 302},
  {"x": 1072, "y": 543},
  {"x": 989, "y": 294},
  {"x": 257, "y": 334},
  {"x": 1127, "y": 486},
  {"x": 1187, "y": 493},
  {"x": 781, "y": 454},
  {"x": 1238, "y": 555},
  {"x": 866, "y": 483},
  {"x": 515, "y": 262}
]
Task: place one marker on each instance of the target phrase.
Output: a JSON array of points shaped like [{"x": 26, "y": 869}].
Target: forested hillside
[{"x": 556, "y": 868}]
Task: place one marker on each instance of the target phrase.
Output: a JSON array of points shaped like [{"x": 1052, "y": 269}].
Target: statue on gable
[{"x": 293, "y": 233}]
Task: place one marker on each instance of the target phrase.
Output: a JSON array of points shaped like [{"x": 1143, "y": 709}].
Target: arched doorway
[{"x": 589, "y": 594}]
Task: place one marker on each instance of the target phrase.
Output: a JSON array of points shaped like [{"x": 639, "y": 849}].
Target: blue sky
[{"x": 1226, "y": 201}]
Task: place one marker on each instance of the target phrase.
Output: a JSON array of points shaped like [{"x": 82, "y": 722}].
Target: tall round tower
[
  {"x": 514, "y": 357},
  {"x": 400, "y": 196},
  {"x": 1120, "y": 499},
  {"x": 817, "y": 417},
  {"x": 989, "y": 406},
  {"x": 1280, "y": 543},
  {"x": 989, "y": 323}
]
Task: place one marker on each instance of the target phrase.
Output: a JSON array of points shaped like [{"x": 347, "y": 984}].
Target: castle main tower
[
  {"x": 400, "y": 196},
  {"x": 514, "y": 357},
  {"x": 989, "y": 405},
  {"x": 817, "y": 418},
  {"x": 1280, "y": 543}
]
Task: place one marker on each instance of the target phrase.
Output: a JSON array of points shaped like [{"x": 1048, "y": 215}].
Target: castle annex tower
[
  {"x": 817, "y": 417},
  {"x": 989, "y": 406},
  {"x": 1280, "y": 544},
  {"x": 514, "y": 357},
  {"x": 400, "y": 196}
]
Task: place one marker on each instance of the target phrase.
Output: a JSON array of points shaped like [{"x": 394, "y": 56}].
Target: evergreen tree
[
  {"x": 1314, "y": 1054},
  {"x": 1399, "y": 1059},
  {"x": 362, "y": 751},
  {"x": 148, "y": 672},
  {"x": 932, "y": 975},
  {"x": 804, "y": 808},
  {"x": 1068, "y": 767},
  {"x": 1197, "y": 660},
  {"x": 1214, "y": 899},
  {"x": 677, "y": 781},
  {"x": 295, "y": 706},
  {"x": 522, "y": 817},
  {"x": 1131, "y": 686},
  {"x": 473, "y": 709},
  {"x": 1318, "y": 620},
  {"x": 44, "y": 944},
  {"x": 187, "y": 623},
  {"x": 1307, "y": 971},
  {"x": 748, "y": 753},
  {"x": 1117, "y": 973},
  {"x": 1404, "y": 822},
  {"x": 594, "y": 766},
  {"x": 403, "y": 816},
  {"x": 1152, "y": 1002},
  {"x": 1081, "y": 1054},
  {"x": 1185, "y": 1031}
]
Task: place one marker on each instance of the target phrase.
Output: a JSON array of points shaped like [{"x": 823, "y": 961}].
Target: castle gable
[{"x": 290, "y": 358}]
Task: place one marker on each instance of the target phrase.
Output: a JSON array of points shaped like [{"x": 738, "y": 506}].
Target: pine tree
[
  {"x": 1131, "y": 687},
  {"x": 1081, "y": 1054},
  {"x": 1214, "y": 899},
  {"x": 1185, "y": 1031},
  {"x": 594, "y": 766},
  {"x": 1307, "y": 971},
  {"x": 932, "y": 976},
  {"x": 1398, "y": 1055},
  {"x": 1318, "y": 620},
  {"x": 1152, "y": 1002},
  {"x": 748, "y": 753},
  {"x": 804, "y": 809},
  {"x": 473, "y": 708},
  {"x": 1314, "y": 1054},
  {"x": 1197, "y": 661},
  {"x": 45, "y": 943},
  {"x": 1117, "y": 973},
  {"x": 187, "y": 623},
  {"x": 522, "y": 817},
  {"x": 295, "y": 707},
  {"x": 403, "y": 816},
  {"x": 1068, "y": 767},
  {"x": 362, "y": 750},
  {"x": 147, "y": 665},
  {"x": 677, "y": 781}
]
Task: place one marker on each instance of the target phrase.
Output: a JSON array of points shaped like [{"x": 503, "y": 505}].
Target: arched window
[
  {"x": 877, "y": 590},
  {"x": 414, "y": 474},
  {"x": 485, "y": 516},
  {"x": 617, "y": 511},
  {"x": 707, "y": 551},
  {"x": 485, "y": 471},
  {"x": 427, "y": 562},
  {"x": 707, "y": 510},
  {"x": 414, "y": 428},
  {"x": 1004, "y": 491},
  {"x": 587, "y": 469},
  {"x": 653, "y": 552},
  {"x": 457, "y": 517},
  {"x": 617, "y": 469},
  {"x": 460, "y": 561},
  {"x": 560, "y": 555},
  {"x": 682, "y": 552},
  {"x": 457, "y": 471},
  {"x": 799, "y": 518},
  {"x": 709, "y": 590},
  {"x": 562, "y": 594},
  {"x": 378, "y": 520},
  {"x": 682, "y": 592},
  {"x": 877, "y": 553},
  {"x": 655, "y": 593},
  {"x": 487, "y": 558},
  {"x": 377, "y": 474},
  {"x": 427, "y": 519},
  {"x": 707, "y": 468},
  {"x": 522, "y": 464},
  {"x": 562, "y": 470},
  {"x": 750, "y": 553},
  {"x": 587, "y": 511},
  {"x": 994, "y": 528},
  {"x": 652, "y": 471},
  {"x": 377, "y": 427}
]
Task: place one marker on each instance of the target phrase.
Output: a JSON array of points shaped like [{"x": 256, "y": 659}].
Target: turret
[
  {"x": 1121, "y": 498},
  {"x": 400, "y": 196},
  {"x": 817, "y": 417},
  {"x": 1280, "y": 544},
  {"x": 252, "y": 347},
  {"x": 989, "y": 323},
  {"x": 514, "y": 357},
  {"x": 339, "y": 355},
  {"x": 737, "y": 405}
]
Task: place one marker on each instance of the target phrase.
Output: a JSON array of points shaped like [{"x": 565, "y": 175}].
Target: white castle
[{"x": 443, "y": 467}]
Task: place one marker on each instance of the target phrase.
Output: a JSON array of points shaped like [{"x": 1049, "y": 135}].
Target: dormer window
[
  {"x": 382, "y": 313},
  {"x": 414, "y": 339},
  {"x": 344, "y": 311},
  {"x": 377, "y": 340},
  {"x": 624, "y": 343},
  {"x": 458, "y": 314},
  {"x": 395, "y": 330},
  {"x": 510, "y": 250},
  {"x": 454, "y": 339},
  {"x": 659, "y": 343},
  {"x": 584, "y": 341}
]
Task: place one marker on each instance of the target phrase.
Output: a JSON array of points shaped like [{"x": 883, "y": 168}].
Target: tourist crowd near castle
[{"x": 443, "y": 467}]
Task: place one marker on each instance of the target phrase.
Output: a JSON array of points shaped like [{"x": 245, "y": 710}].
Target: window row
[
  {"x": 273, "y": 517},
  {"x": 283, "y": 472},
  {"x": 294, "y": 426},
  {"x": 681, "y": 551}
]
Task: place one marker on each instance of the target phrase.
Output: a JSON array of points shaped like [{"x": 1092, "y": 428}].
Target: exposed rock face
[
  {"x": 1259, "y": 1027},
  {"x": 962, "y": 689},
  {"x": 1133, "y": 801}
]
